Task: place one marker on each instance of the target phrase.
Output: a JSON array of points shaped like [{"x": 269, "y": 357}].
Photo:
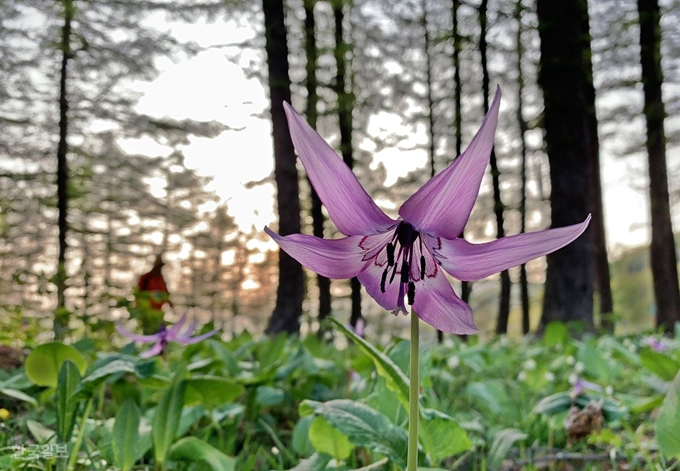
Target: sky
[{"x": 210, "y": 86}]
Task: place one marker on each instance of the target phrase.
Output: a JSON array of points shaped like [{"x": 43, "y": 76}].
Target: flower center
[{"x": 400, "y": 259}]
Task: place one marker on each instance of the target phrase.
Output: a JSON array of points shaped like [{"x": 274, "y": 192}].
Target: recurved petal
[
  {"x": 442, "y": 206},
  {"x": 470, "y": 262},
  {"x": 139, "y": 338},
  {"x": 173, "y": 331},
  {"x": 332, "y": 258},
  {"x": 348, "y": 204},
  {"x": 437, "y": 304},
  {"x": 157, "y": 349},
  {"x": 191, "y": 340}
]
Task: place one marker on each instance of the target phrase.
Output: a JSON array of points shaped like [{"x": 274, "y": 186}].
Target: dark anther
[
  {"x": 411, "y": 293},
  {"x": 390, "y": 254},
  {"x": 404, "y": 272},
  {"x": 422, "y": 267},
  {"x": 382, "y": 281}
]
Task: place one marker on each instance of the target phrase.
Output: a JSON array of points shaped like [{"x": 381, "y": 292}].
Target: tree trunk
[
  {"x": 523, "y": 280},
  {"x": 290, "y": 290},
  {"x": 323, "y": 283},
  {"x": 498, "y": 207},
  {"x": 61, "y": 314},
  {"x": 597, "y": 224},
  {"x": 663, "y": 254},
  {"x": 345, "y": 105},
  {"x": 466, "y": 286},
  {"x": 430, "y": 106},
  {"x": 564, "y": 44}
]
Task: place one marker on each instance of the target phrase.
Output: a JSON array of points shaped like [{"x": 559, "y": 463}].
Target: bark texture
[
  {"x": 663, "y": 254},
  {"x": 564, "y": 43},
  {"x": 290, "y": 291}
]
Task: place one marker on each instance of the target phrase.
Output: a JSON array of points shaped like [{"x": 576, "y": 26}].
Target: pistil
[{"x": 406, "y": 236}]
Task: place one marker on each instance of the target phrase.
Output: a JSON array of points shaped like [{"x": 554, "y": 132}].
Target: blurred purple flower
[
  {"x": 579, "y": 385},
  {"x": 658, "y": 345},
  {"x": 360, "y": 327},
  {"x": 407, "y": 257},
  {"x": 164, "y": 336}
]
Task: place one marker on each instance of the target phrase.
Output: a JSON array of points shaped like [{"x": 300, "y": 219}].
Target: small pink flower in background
[
  {"x": 580, "y": 385},
  {"x": 405, "y": 260},
  {"x": 360, "y": 327},
  {"x": 164, "y": 336},
  {"x": 658, "y": 345}
]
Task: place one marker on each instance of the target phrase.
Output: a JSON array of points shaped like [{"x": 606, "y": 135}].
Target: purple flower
[
  {"x": 165, "y": 336},
  {"x": 579, "y": 385},
  {"x": 407, "y": 258},
  {"x": 655, "y": 344}
]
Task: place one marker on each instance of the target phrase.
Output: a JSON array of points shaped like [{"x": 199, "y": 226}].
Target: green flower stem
[
  {"x": 73, "y": 458},
  {"x": 414, "y": 389}
]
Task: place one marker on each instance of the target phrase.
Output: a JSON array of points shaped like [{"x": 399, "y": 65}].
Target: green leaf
[
  {"x": 44, "y": 363},
  {"x": 555, "y": 333},
  {"x": 363, "y": 426},
  {"x": 328, "y": 440},
  {"x": 667, "y": 425},
  {"x": 193, "y": 449},
  {"x": 166, "y": 417},
  {"x": 300, "y": 438},
  {"x": 267, "y": 396},
  {"x": 16, "y": 394},
  {"x": 313, "y": 463},
  {"x": 441, "y": 435},
  {"x": 211, "y": 391},
  {"x": 604, "y": 370},
  {"x": 67, "y": 386},
  {"x": 41, "y": 433},
  {"x": 553, "y": 404},
  {"x": 502, "y": 443},
  {"x": 661, "y": 365},
  {"x": 125, "y": 437},
  {"x": 395, "y": 378}
]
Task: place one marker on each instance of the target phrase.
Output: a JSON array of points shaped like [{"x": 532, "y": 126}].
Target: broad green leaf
[
  {"x": 166, "y": 418},
  {"x": 397, "y": 381},
  {"x": 41, "y": 433},
  {"x": 211, "y": 391},
  {"x": 125, "y": 437},
  {"x": 193, "y": 449},
  {"x": 363, "y": 426},
  {"x": 661, "y": 365},
  {"x": 267, "y": 396},
  {"x": 20, "y": 395},
  {"x": 112, "y": 365},
  {"x": 313, "y": 463},
  {"x": 603, "y": 370},
  {"x": 441, "y": 435},
  {"x": 67, "y": 386},
  {"x": 227, "y": 357},
  {"x": 491, "y": 395},
  {"x": 44, "y": 362},
  {"x": 553, "y": 404},
  {"x": 502, "y": 443},
  {"x": 328, "y": 440},
  {"x": 667, "y": 425},
  {"x": 300, "y": 438}
]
